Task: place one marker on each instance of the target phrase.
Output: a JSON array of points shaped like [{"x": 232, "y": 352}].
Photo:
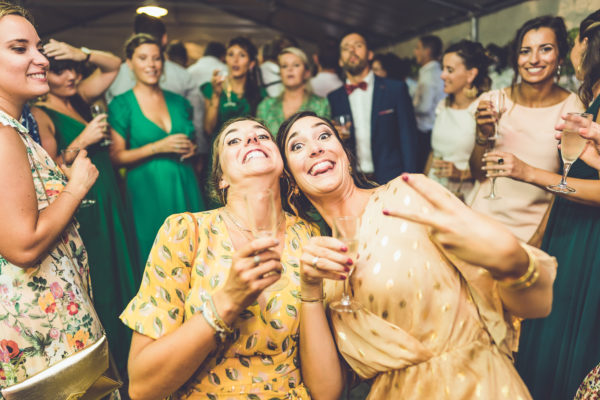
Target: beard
[{"x": 357, "y": 68}]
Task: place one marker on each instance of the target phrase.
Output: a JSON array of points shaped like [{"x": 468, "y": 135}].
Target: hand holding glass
[
  {"x": 97, "y": 109},
  {"x": 497, "y": 103},
  {"x": 344, "y": 123},
  {"x": 571, "y": 147},
  {"x": 346, "y": 229},
  {"x": 68, "y": 156}
]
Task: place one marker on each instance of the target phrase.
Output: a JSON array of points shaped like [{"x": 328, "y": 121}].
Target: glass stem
[
  {"x": 493, "y": 189},
  {"x": 345, "y": 297},
  {"x": 563, "y": 181}
]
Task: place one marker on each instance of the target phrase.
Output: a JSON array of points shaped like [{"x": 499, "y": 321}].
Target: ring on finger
[
  {"x": 256, "y": 260},
  {"x": 314, "y": 261},
  {"x": 501, "y": 161}
]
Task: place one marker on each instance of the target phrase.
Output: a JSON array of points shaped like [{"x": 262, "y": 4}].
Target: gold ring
[
  {"x": 256, "y": 260},
  {"x": 314, "y": 262}
]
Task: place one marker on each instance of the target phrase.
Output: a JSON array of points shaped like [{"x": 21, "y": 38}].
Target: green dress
[
  {"x": 270, "y": 110},
  {"x": 107, "y": 232},
  {"x": 557, "y": 352},
  {"x": 161, "y": 185}
]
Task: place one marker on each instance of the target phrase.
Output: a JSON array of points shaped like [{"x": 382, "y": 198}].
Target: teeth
[
  {"x": 534, "y": 70},
  {"x": 255, "y": 154},
  {"x": 38, "y": 76}
]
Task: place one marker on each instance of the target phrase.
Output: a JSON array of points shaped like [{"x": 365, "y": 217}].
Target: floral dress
[
  {"x": 45, "y": 312},
  {"x": 262, "y": 360}
]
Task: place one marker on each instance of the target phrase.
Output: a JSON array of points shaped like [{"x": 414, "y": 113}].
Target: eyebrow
[
  {"x": 314, "y": 126},
  {"x": 543, "y": 44},
  {"x": 233, "y": 130}
]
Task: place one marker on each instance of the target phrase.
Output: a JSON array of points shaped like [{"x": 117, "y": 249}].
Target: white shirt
[
  {"x": 429, "y": 92},
  {"x": 175, "y": 79},
  {"x": 270, "y": 74},
  {"x": 324, "y": 83},
  {"x": 203, "y": 69},
  {"x": 361, "y": 104}
]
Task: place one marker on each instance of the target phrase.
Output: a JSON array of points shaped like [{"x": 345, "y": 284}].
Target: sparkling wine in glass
[
  {"x": 228, "y": 88},
  {"x": 68, "y": 156},
  {"x": 345, "y": 123},
  {"x": 498, "y": 103},
  {"x": 97, "y": 109},
  {"x": 265, "y": 219},
  {"x": 346, "y": 229},
  {"x": 571, "y": 147}
]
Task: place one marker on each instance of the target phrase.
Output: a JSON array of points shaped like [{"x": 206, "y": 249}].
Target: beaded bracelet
[
  {"x": 527, "y": 279},
  {"x": 222, "y": 330}
]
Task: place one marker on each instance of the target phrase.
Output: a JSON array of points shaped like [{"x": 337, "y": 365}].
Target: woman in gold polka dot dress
[{"x": 443, "y": 289}]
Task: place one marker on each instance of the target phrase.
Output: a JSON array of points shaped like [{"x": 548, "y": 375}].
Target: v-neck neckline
[{"x": 148, "y": 119}]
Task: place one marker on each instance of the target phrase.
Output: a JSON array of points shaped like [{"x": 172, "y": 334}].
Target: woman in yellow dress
[
  {"x": 207, "y": 325},
  {"x": 442, "y": 289}
]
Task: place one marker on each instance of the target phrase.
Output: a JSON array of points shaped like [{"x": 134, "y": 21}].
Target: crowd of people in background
[{"x": 129, "y": 182}]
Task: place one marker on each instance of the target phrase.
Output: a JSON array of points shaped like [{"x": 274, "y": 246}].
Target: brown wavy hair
[
  {"x": 590, "y": 59},
  {"x": 293, "y": 199}
]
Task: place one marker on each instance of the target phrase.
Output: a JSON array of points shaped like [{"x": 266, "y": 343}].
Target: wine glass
[
  {"x": 97, "y": 109},
  {"x": 68, "y": 156},
  {"x": 228, "y": 88},
  {"x": 497, "y": 103},
  {"x": 346, "y": 229},
  {"x": 263, "y": 217},
  {"x": 344, "y": 121},
  {"x": 571, "y": 147}
]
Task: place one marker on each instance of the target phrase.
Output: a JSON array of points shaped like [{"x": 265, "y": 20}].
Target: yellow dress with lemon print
[{"x": 262, "y": 360}]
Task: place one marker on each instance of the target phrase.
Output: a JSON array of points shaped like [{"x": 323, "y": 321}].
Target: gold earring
[{"x": 470, "y": 92}]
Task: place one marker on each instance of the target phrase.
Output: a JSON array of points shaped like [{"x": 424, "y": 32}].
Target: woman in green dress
[
  {"x": 296, "y": 96},
  {"x": 65, "y": 122},
  {"x": 152, "y": 134},
  {"x": 557, "y": 352}
]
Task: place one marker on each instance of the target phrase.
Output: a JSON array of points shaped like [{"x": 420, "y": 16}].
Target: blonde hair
[
  {"x": 302, "y": 56},
  {"x": 7, "y": 8}
]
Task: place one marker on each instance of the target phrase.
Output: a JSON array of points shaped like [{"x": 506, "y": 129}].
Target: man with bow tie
[{"x": 383, "y": 129}]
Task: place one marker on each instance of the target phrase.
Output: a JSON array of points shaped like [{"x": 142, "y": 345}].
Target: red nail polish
[
  {"x": 405, "y": 177},
  {"x": 347, "y": 269},
  {"x": 342, "y": 278},
  {"x": 349, "y": 261},
  {"x": 386, "y": 212},
  {"x": 344, "y": 248}
]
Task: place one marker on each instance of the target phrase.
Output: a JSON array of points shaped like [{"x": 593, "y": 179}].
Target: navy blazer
[{"x": 394, "y": 143}]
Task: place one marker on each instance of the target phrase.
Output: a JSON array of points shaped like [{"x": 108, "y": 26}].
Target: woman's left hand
[
  {"x": 446, "y": 169},
  {"x": 505, "y": 164},
  {"x": 63, "y": 51},
  {"x": 469, "y": 235}
]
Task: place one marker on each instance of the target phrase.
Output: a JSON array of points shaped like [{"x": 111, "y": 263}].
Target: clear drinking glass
[
  {"x": 571, "y": 147},
  {"x": 498, "y": 103},
  {"x": 344, "y": 121},
  {"x": 346, "y": 229},
  {"x": 263, "y": 217},
  {"x": 228, "y": 88},
  {"x": 68, "y": 156},
  {"x": 97, "y": 109}
]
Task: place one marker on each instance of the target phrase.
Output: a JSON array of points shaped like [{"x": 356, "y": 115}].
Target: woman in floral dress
[
  {"x": 194, "y": 291},
  {"x": 45, "y": 314}
]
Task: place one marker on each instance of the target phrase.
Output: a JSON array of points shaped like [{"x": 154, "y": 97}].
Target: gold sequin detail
[
  {"x": 433, "y": 336},
  {"x": 427, "y": 265},
  {"x": 445, "y": 307},
  {"x": 419, "y": 295},
  {"x": 504, "y": 391},
  {"x": 397, "y": 255},
  {"x": 374, "y": 332},
  {"x": 385, "y": 241},
  {"x": 402, "y": 303},
  {"x": 389, "y": 284},
  {"x": 362, "y": 353},
  {"x": 437, "y": 286},
  {"x": 410, "y": 273},
  {"x": 342, "y": 335},
  {"x": 461, "y": 376},
  {"x": 376, "y": 268}
]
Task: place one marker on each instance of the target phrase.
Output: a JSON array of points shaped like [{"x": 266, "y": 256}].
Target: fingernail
[
  {"x": 349, "y": 261},
  {"x": 342, "y": 278},
  {"x": 405, "y": 177},
  {"x": 386, "y": 211},
  {"x": 343, "y": 248}
]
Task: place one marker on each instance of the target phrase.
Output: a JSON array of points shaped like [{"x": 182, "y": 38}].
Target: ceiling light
[{"x": 153, "y": 9}]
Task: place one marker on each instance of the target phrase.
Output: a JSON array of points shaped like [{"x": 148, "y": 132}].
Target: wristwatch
[{"x": 87, "y": 53}]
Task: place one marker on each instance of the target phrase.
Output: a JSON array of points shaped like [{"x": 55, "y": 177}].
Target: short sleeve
[
  {"x": 158, "y": 307},
  {"x": 207, "y": 90},
  {"x": 119, "y": 116}
]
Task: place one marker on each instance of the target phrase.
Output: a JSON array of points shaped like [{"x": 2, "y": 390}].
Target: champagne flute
[
  {"x": 228, "y": 88},
  {"x": 97, "y": 109},
  {"x": 345, "y": 123},
  {"x": 264, "y": 223},
  {"x": 346, "y": 229},
  {"x": 68, "y": 156},
  {"x": 571, "y": 147},
  {"x": 497, "y": 102}
]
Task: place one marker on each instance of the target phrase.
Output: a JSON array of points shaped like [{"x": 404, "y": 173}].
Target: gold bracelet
[
  {"x": 217, "y": 318},
  {"x": 312, "y": 300},
  {"x": 527, "y": 279}
]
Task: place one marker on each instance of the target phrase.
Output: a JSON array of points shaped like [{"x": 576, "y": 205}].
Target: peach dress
[{"x": 431, "y": 328}]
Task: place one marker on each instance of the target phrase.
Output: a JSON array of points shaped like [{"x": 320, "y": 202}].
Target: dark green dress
[
  {"x": 107, "y": 232},
  {"x": 557, "y": 352},
  {"x": 160, "y": 185}
]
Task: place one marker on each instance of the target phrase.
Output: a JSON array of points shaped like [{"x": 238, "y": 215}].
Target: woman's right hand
[
  {"x": 94, "y": 131},
  {"x": 485, "y": 118},
  {"x": 82, "y": 174},
  {"x": 254, "y": 267},
  {"x": 217, "y": 82},
  {"x": 177, "y": 143},
  {"x": 323, "y": 257}
]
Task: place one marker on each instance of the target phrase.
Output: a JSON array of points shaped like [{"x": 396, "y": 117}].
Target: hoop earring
[{"x": 470, "y": 92}]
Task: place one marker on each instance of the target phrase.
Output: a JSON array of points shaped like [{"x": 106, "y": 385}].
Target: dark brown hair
[
  {"x": 590, "y": 59},
  {"x": 216, "y": 171},
  {"x": 293, "y": 199},
  {"x": 473, "y": 56}
]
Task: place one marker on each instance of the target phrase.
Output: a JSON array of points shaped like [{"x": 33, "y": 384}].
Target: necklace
[{"x": 241, "y": 227}]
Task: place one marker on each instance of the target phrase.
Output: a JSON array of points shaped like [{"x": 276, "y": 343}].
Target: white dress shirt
[
  {"x": 361, "y": 104},
  {"x": 324, "y": 83},
  {"x": 203, "y": 69},
  {"x": 429, "y": 92},
  {"x": 271, "y": 78},
  {"x": 175, "y": 79}
]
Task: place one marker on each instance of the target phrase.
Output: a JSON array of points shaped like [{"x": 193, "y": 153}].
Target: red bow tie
[{"x": 350, "y": 87}]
